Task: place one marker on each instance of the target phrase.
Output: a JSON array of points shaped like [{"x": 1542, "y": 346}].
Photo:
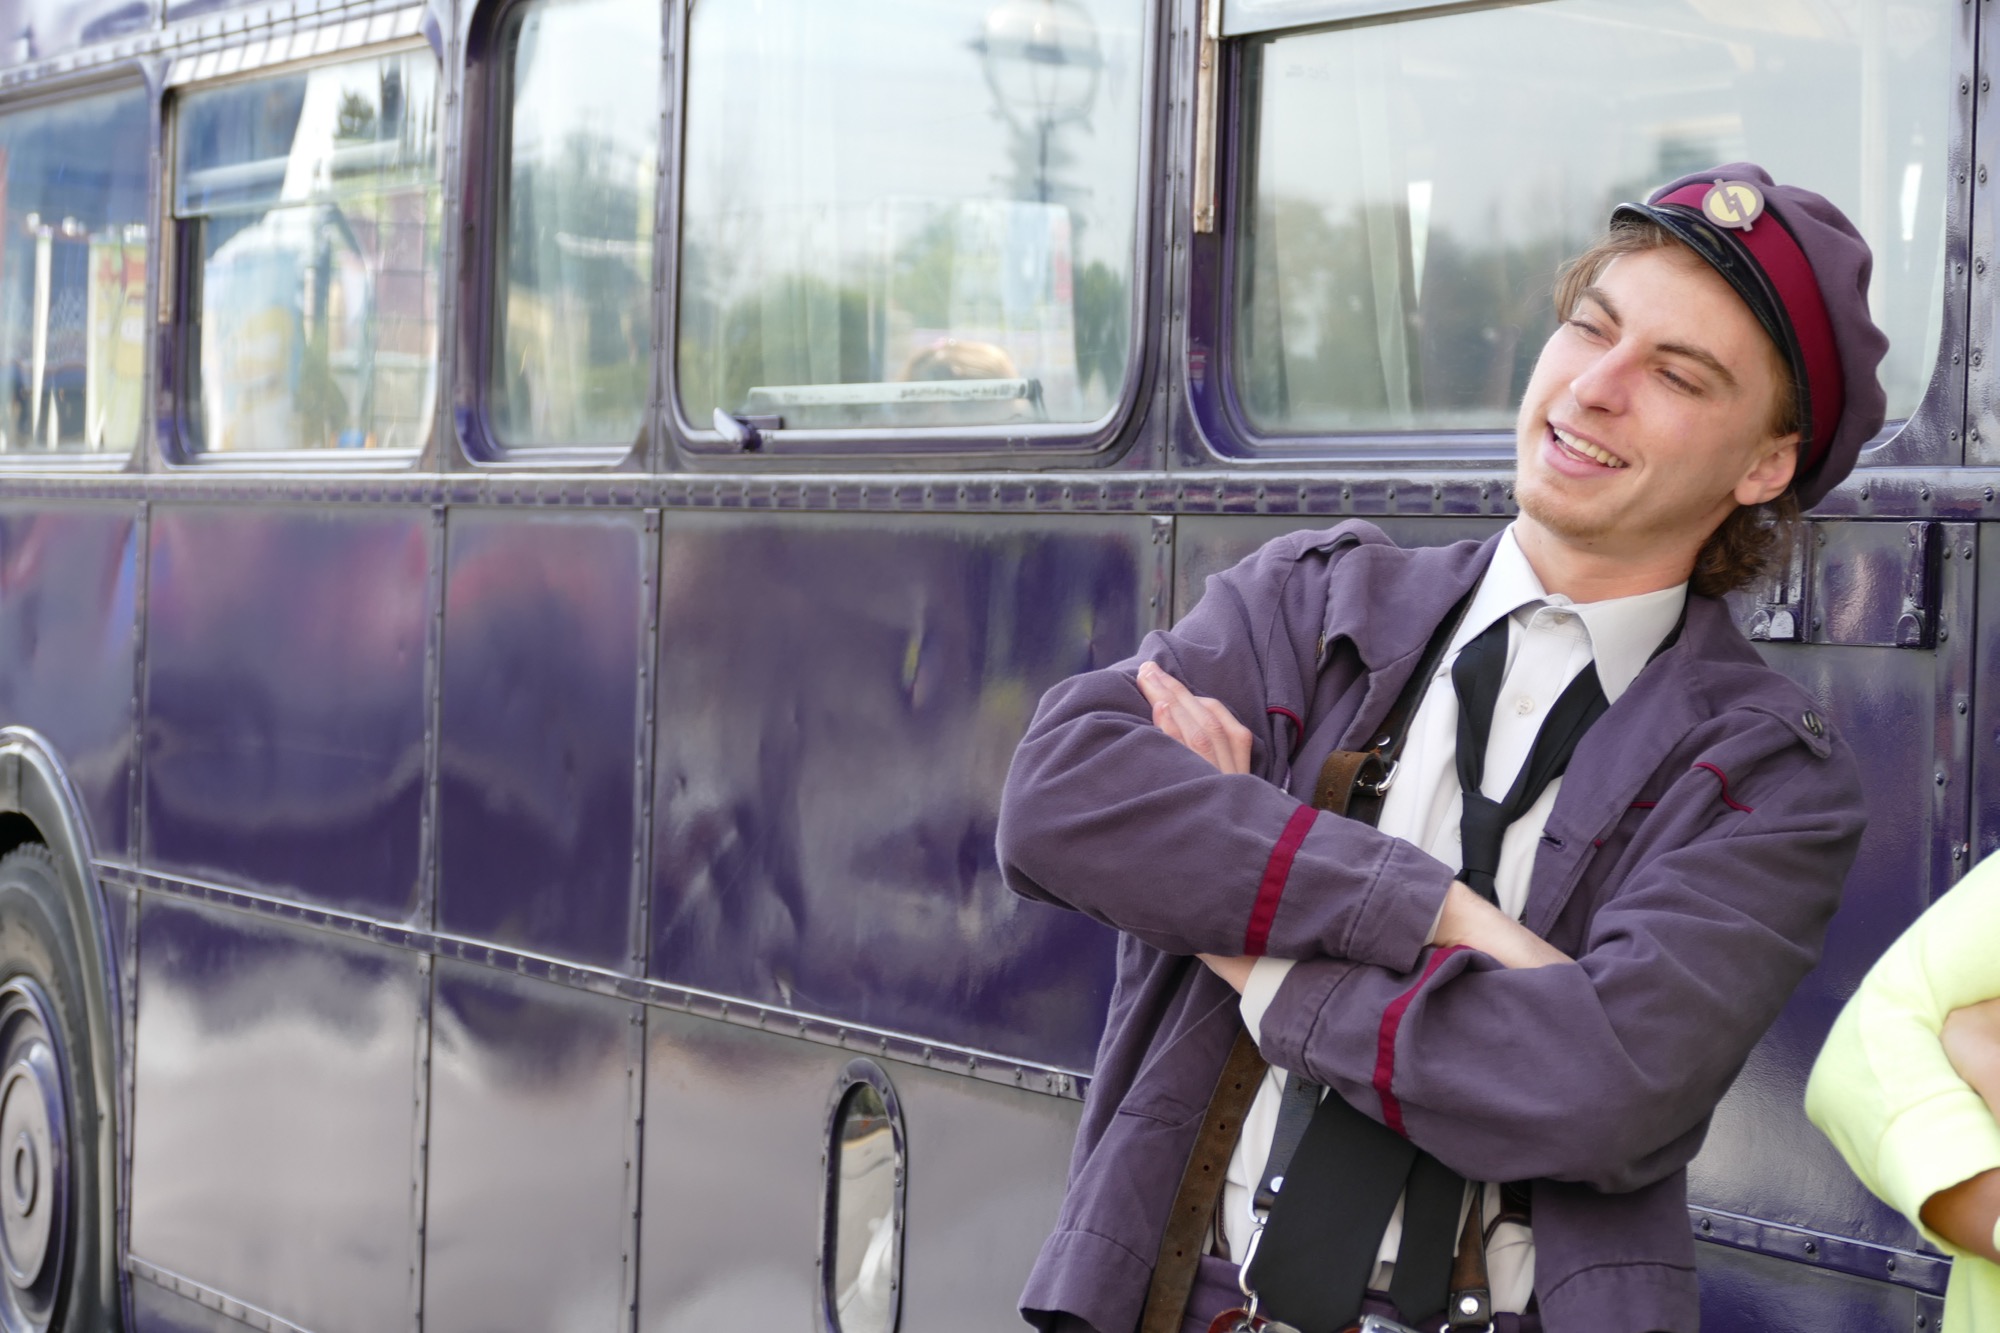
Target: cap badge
[{"x": 1733, "y": 204}]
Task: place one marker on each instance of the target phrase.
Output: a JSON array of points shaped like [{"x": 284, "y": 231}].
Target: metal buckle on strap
[{"x": 1381, "y": 787}]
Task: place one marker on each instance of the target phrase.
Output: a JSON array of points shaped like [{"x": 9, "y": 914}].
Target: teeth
[{"x": 1587, "y": 449}]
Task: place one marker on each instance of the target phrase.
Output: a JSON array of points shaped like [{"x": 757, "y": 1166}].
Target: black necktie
[{"x": 1476, "y": 676}]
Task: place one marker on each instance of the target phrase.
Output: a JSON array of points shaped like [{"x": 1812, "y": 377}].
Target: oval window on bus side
[
  {"x": 1412, "y": 185},
  {"x": 73, "y": 316},
  {"x": 861, "y": 1251},
  {"x": 911, "y": 215},
  {"x": 572, "y": 333},
  {"x": 309, "y": 208}
]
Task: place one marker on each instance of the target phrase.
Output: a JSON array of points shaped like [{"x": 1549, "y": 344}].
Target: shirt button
[{"x": 1524, "y": 705}]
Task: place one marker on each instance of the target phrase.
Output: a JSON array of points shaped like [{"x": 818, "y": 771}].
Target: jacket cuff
[
  {"x": 1401, "y": 909},
  {"x": 1266, "y": 975},
  {"x": 1940, "y": 1142}
]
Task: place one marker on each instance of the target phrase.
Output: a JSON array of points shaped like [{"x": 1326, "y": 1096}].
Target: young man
[{"x": 1638, "y": 922}]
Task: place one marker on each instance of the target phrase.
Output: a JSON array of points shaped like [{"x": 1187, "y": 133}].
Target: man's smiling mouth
[{"x": 1584, "y": 448}]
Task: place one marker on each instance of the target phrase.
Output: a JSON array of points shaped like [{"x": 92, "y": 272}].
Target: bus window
[
  {"x": 1413, "y": 185},
  {"x": 309, "y": 204},
  {"x": 73, "y": 275},
  {"x": 573, "y": 338},
  {"x": 862, "y": 1244},
  {"x": 934, "y": 229}
]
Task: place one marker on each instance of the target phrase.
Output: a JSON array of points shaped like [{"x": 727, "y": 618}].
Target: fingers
[{"x": 1203, "y": 725}]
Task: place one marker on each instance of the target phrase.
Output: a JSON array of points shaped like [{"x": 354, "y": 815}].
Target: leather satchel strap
[
  {"x": 1340, "y": 775},
  {"x": 1201, "y": 1188},
  {"x": 1471, "y": 1306}
]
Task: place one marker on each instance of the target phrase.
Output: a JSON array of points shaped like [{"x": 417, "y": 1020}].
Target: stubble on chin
[{"x": 1562, "y": 516}]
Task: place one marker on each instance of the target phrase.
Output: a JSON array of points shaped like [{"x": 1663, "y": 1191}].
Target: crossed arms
[{"x": 1688, "y": 931}]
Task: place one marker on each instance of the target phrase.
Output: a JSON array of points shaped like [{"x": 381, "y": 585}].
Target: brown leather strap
[
  {"x": 1471, "y": 1308},
  {"x": 1201, "y": 1186},
  {"x": 1340, "y": 774}
]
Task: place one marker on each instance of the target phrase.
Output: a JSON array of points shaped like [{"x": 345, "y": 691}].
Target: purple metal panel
[
  {"x": 735, "y": 1126},
  {"x": 285, "y": 701},
  {"x": 1753, "y": 1293},
  {"x": 68, "y": 576},
  {"x": 275, "y": 1134},
  {"x": 986, "y": 1173},
  {"x": 531, "y": 1143},
  {"x": 838, "y": 701},
  {"x": 539, "y": 725}
]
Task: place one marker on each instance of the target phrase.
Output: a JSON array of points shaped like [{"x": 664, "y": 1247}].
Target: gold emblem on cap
[{"x": 1734, "y": 204}]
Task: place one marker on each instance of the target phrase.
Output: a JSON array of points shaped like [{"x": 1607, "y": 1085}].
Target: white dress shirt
[{"x": 1549, "y": 641}]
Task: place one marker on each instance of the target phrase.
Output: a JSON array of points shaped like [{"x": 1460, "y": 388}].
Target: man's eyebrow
[
  {"x": 1701, "y": 356},
  {"x": 1603, "y": 300}
]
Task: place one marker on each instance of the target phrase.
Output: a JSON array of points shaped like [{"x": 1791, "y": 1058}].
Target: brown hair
[{"x": 1748, "y": 540}]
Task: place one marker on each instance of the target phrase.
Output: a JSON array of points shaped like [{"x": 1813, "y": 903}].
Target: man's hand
[
  {"x": 1235, "y": 971},
  {"x": 1471, "y": 921},
  {"x": 1971, "y": 1039},
  {"x": 1203, "y": 725},
  {"x": 1965, "y": 1214}
]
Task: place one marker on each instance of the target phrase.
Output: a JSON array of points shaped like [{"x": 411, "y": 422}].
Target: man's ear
[{"x": 1771, "y": 471}]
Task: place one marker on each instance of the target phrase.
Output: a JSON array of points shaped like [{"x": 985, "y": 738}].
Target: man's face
[{"x": 1647, "y": 419}]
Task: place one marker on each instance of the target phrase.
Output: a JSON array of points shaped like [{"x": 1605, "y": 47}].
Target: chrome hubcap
[{"x": 34, "y": 1162}]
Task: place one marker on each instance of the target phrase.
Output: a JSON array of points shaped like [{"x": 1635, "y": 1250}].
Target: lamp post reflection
[{"x": 1042, "y": 61}]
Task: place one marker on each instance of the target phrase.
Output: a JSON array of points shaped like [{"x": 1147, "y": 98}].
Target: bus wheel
[{"x": 48, "y": 1112}]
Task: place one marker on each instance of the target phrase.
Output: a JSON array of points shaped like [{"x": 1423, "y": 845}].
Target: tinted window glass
[
  {"x": 909, "y": 212},
  {"x": 313, "y": 202},
  {"x": 1415, "y": 184},
  {"x": 573, "y": 337},
  {"x": 73, "y": 275}
]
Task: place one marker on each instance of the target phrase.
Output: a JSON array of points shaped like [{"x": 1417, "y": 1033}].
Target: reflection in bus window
[
  {"x": 73, "y": 274},
  {"x": 867, "y": 1250},
  {"x": 1415, "y": 184},
  {"x": 314, "y": 203},
  {"x": 573, "y": 344},
  {"x": 932, "y": 231}
]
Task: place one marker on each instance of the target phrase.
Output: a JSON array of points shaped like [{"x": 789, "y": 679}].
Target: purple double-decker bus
[{"x": 530, "y": 529}]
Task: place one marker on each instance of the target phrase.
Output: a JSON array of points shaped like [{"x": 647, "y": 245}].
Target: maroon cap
[{"x": 1802, "y": 268}]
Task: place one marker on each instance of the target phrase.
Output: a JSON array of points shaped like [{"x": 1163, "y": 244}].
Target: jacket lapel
[{"x": 1388, "y": 611}]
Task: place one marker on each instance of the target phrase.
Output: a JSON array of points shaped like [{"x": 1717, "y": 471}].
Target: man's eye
[
  {"x": 1586, "y": 328},
  {"x": 1681, "y": 382}
]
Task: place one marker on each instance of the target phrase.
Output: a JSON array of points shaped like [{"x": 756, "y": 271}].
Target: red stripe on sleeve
[
  {"x": 1257, "y": 935},
  {"x": 1385, "y": 1041}
]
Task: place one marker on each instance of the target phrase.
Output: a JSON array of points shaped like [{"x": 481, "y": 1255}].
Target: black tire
[{"x": 52, "y": 1195}]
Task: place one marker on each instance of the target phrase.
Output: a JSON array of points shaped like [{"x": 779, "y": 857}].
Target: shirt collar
[{"x": 1624, "y": 631}]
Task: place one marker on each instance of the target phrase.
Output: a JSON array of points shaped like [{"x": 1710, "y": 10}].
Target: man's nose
[{"x": 1605, "y": 382}]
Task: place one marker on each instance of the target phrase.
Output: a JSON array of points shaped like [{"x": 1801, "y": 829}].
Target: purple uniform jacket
[{"x": 1692, "y": 861}]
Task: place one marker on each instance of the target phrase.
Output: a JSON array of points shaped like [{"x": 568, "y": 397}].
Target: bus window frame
[
  {"x": 697, "y": 446},
  {"x": 180, "y": 287},
  {"x": 124, "y": 76},
  {"x": 486, "y": 140},
  {"x": 1929, "y": 436}
]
